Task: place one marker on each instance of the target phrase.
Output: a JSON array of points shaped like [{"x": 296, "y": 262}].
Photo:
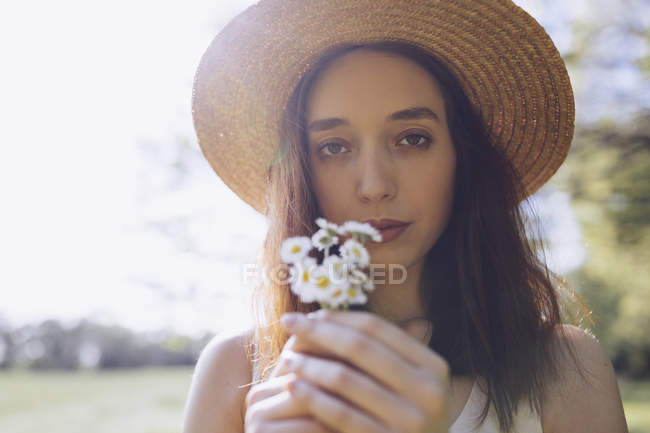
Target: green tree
[{"x": 607, "y": 174}]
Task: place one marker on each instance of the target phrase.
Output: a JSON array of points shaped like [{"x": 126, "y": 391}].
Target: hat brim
[{"x": 503, "y": 58}]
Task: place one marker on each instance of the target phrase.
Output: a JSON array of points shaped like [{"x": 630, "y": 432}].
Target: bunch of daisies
[{"x": 340, "y": 280}]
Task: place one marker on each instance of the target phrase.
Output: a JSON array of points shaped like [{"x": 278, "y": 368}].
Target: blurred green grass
[
  {"x": 147, "y": 400},
  {"x": 151, "y": 400},
  {"x": 636, "y": 401}
]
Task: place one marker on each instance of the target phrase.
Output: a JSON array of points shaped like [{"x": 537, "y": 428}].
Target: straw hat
[{"x": 504, "y": 60}]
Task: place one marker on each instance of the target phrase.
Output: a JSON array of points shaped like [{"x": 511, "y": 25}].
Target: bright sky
[{"x": 83, "y": 85}]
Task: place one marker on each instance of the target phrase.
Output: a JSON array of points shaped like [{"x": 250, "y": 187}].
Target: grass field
[
  {"x": 150, "y": 400},
  {"x": 636, "y": 401},
  {"x": 125, "y": 401}
]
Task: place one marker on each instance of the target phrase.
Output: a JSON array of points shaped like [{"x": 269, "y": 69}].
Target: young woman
[{"x": 442, "y": 117}]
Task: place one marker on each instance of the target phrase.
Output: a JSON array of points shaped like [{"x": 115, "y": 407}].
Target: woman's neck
[
  {"x": 399, "y": 302},
  {"x": 419, "y": 328}
]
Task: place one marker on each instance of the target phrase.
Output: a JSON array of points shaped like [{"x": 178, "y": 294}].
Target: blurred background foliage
[{"x": 607, "y": 174}]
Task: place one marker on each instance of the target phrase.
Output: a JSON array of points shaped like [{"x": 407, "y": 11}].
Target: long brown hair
[{"x": 495, "y": 306}]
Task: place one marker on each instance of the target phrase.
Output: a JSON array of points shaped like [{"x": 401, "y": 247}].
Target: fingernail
[{"x": 295, "y": 385}]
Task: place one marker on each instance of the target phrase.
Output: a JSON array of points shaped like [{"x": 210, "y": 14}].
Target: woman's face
[{"x": 377, "y": 160}]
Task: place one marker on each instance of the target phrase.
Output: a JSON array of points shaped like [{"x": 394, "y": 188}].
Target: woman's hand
[
  {"x": 271, "y": 408},
  {"x": 389, "y": 382}
]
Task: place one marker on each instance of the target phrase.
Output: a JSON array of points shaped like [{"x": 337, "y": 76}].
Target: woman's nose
[{"x": 375, "y": 180}]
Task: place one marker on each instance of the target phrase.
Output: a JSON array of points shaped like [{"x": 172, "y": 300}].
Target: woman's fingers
[
  {"x": 279, "y": 409},
  {"x": 387, "y": 333},
  {"x": 298, "y": 425},
  {"x": 275, "y": 405},
  {"x": 332, "y": 412},
  {"x": 280, "y": 368},
  {"x": 278, "y": 406},
  {"x": 267, "y": 389},
  {"x": 296, "y": 343},
  {"x": 424, "y": 386},
  {"x": 356, "y": 388},
  {"x": 369, "y": 355}
]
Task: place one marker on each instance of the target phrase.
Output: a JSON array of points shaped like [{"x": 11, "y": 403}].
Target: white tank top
[{"x": 525, "y": 420}]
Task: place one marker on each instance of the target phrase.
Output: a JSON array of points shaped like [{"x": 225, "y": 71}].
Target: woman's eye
[
  {"x": 417, "y": 140},
  {"x": 334, "y": 148}
]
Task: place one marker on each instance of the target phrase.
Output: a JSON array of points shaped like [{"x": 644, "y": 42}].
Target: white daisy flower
[
  {"x": 354, "y": 252},
  {"x": 337, "y": 267},
  {"x": 340, "y": 297},
  {"x": 340, "y": 280},
  {"x": 295, "y": 249},
  {"x": 337, "y": 298},
  {"x": 300, "y": 274},
  {"x": 360, "y": 279},
  {"x": 322, "y": 239},
  {"x": 332, "y": 229},
  {"x": 355, "y": 295},
  {"x": 326, "y": 288},
  {"x": 362, "y": 230},
  {"x": 342, "y": 231},
  {"x": 300, "y": 271}
]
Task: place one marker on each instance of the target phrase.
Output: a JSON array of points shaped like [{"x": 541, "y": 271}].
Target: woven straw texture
[{"x": 505, "y": 61}]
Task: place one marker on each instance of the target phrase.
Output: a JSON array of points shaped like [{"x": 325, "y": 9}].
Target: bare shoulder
[
  {"x": 217, "y": 390},
  {"x": 584, "y": 404}
]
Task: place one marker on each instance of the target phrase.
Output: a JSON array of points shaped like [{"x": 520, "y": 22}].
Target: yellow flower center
[
  {"x": 356, "y": 252},
  {"x": 352, "y": 292},
  {"x": 295, "y": 249},
  {"x": 305, "y": 276},
  {"x": 323, "y": 282},
  {"x": 337, "y": 292}
]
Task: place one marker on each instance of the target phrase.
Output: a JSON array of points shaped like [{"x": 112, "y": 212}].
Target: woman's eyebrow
[
  {"x": 414, "y": 113},
  {"x": 407, "y": 114}
]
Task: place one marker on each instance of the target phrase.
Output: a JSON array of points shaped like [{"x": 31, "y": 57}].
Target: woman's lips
[
  {"x": 385, "y": 223},
  {"x": 391, "y": 233}
]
